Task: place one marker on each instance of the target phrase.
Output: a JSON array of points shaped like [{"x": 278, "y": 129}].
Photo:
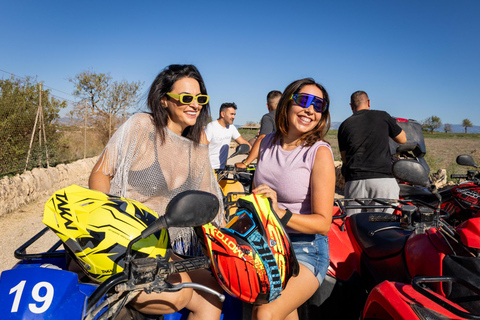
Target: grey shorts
[
  {"x": 311, "y": 250},
  {"x": 384, "y": 188}
]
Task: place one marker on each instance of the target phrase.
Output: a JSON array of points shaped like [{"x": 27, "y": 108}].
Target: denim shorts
[{"x": 312, "y": 251}]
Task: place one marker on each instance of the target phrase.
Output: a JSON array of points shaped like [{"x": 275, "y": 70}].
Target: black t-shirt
[{"x": 364, "y": 137}]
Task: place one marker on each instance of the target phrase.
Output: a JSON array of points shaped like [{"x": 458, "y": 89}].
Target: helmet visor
[{"x": 242, "y": 223}]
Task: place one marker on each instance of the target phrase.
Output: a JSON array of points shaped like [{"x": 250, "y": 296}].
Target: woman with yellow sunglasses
[{"x": 153, "y": 157}]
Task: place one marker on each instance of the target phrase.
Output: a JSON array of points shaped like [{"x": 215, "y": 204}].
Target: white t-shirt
[{"x": 219, "y": 138}]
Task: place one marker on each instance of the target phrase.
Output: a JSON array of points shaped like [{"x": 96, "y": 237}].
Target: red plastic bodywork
[
  {"x": 392, "y": 300},
  {"x": 469, "y": 232},
  {"x": 343, "y": 259}
]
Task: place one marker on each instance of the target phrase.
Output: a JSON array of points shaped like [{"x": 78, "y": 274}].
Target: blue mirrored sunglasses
[{"x": 304, "y": 100}]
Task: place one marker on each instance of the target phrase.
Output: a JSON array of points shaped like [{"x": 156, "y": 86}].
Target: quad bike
[
  {"x": 41, "y": 287},
  {"x": 460, "y": 201},
  {"x": 235, "y": 182},
  {"x": 121, "y": 246},
  {"x": 369, "y": 248}
]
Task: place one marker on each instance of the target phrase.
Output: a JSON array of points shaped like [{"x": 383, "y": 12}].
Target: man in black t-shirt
[{"x": 363, "y": 140}]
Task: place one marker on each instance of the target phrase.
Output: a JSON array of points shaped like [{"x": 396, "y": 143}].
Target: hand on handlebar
[{"x": 240, "y": 165}]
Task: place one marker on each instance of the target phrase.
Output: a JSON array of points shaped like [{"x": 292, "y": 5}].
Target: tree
[
  {"x": 447, "y": 127},
  {"x": 431, "y": 123},
  {"x": 466, "y": 124},
  {"x": 107, "y": 101},
  {"x": 19, "y": 102}
]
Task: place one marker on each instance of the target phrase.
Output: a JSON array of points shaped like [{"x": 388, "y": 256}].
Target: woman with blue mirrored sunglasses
[
  {"x": 295, "y": 170},
  {"x": 305, "y": 100}
]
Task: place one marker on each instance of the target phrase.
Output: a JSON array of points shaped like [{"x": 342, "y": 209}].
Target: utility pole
[
  {"x": 85, "y": 134},
  {"x": 34, "y": 126},
  {"x": 42, "y": 124}
]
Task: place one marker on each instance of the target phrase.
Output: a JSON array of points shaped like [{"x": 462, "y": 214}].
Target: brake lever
[{"x": 177, "y": 287}]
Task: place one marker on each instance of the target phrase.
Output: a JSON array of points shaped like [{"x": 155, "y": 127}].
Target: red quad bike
[
  {"x": 369, "y": 248},
  {"x": 461, "y": 201}
]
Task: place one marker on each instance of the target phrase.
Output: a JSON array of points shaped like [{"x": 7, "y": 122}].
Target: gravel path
[{"x": 19, "y": 226}]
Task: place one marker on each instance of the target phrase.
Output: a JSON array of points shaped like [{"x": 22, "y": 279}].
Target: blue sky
[{"x": 414, "y": 58}]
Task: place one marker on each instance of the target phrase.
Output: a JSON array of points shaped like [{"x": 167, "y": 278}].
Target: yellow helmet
[{"x": 98, "y": 227}]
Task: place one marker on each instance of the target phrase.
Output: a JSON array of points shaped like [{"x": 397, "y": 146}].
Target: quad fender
[
  {"x": 343, "y": 260},
  {"x": 428, "y": 246},
  {"x": 394, "y": 300},
  {"x": 469, "y": 232}
]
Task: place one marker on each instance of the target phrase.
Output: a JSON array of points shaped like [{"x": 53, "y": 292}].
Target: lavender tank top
[{"x": 288, "y": 173}]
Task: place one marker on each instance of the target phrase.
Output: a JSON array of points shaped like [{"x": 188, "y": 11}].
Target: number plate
[{"x": 40, "y": 293}]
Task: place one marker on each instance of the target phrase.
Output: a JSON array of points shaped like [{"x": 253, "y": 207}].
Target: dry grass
[{"x": 443, "y": 150}]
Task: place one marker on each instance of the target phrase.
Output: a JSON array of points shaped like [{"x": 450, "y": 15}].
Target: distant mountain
[
  {"x": 67, "y": 121},
  {"x": 335, "y": 125},
  {"x": 456, "y": 128}
]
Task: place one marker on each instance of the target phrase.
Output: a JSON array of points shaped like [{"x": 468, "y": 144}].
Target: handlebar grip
[
  {"x": 458, "y": 176},
  {"x": 379, "y": 217},
  {"x": 189, "y": 264},
  {"x": 241, "y": 169}
]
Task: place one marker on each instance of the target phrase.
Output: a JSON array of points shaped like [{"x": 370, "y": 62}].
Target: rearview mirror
[
  {"x": 411, "y": 171},
  {"x": 241, "y": 149},
  {"x": 191, "y": 209},
  {"x": 466, "y": 160}
]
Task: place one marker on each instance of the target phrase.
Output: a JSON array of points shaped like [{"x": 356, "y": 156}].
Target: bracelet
[
  {"x": 286, "y": 217},
  {"x": 244, "y": 161}
]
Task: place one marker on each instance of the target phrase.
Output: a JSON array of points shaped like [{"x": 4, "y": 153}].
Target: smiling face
[
  {"x": 302, "y": 120},
  {"x": 182, "y": 115}
]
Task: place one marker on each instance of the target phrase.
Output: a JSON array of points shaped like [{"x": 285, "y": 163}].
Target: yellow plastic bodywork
[{"x": 232, "y": 187}]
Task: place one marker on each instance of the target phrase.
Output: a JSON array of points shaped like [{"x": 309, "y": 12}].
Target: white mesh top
[{"x": 145, "y": 170}]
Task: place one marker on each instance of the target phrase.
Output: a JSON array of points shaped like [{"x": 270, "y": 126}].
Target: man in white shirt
[{"x": 220, "y": 133}]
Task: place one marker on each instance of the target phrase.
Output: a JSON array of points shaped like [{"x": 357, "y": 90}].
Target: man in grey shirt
[{"x": 267, "y": 125}]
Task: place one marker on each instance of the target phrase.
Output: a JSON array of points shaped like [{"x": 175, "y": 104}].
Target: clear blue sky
[{"x": 414, "y": 58}]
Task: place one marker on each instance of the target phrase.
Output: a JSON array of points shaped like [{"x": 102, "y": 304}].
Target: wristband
[{"x": 286, "y": 217}]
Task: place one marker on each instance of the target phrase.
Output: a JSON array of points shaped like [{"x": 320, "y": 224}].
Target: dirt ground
[{"x": 19, "y": 226}]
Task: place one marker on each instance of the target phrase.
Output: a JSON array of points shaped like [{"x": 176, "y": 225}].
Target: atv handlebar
[
  {"x": 189, "y": 264},
  {"x": 458, "y": 176},
  {"x": 384, "y": 217},
  {"x": 149, "y": 275}
]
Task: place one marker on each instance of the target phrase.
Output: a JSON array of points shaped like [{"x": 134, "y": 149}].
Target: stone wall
[
  {"x": 29, "y": 186},
  {"x": 339, "y": 180}
]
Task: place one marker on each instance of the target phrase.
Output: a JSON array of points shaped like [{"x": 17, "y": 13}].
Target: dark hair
[
  {"x": 281, "y": 115},
  {"x": 226, "y": 105},
  {"x": 357, "y": 98},
  {"x": 272, "y": 95},
  {"x": 162, "y": 84}
]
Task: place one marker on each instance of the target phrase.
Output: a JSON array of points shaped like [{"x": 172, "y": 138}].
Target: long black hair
[{"x": 162, "y": 84}]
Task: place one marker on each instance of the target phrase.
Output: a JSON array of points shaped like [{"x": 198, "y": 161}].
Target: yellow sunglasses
[{"x": 188, "y": 98}]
